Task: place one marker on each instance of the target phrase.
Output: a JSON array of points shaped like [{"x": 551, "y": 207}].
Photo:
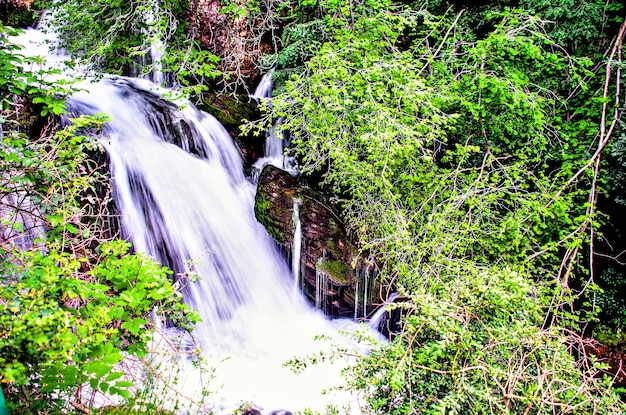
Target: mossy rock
[
  {"x": 271, "y": 218},
  {"x": 340, "y": 273},
  {"x": 232, "y": 111},
  {"x": 273, "y": 205}
]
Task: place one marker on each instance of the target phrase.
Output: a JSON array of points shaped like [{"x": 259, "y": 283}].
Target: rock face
[
  {"x": 228, "y": 32},
  {"x": 327, "y": 276},
  {"x": 612, "y": 356}
]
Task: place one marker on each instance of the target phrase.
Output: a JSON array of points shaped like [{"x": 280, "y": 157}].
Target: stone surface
[
  {"x": 231, "y": 38},
  {"x": 614, "y": 357},
  {"x": 327, "y": 252}
]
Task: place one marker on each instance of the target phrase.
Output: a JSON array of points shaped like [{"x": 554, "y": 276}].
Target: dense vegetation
[
  {"x": 470, "y": 148},
  {"x": 466, "y": 150}
]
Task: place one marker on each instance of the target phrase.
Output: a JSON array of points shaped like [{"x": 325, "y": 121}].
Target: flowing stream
[
  {"x": 179, "y": 183},
  {"x": 275, "y": 144}
]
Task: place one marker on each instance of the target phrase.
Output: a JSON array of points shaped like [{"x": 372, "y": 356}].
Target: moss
[
  {"x": 230, "y": 111},
  {"x": 340, "y": 247},
  {"x": 339, "y": 272},
  {"x": 266, "y": 215}
]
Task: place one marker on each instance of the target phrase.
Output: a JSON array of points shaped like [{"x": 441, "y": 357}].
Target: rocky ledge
[{"x": 329, "y": 274}]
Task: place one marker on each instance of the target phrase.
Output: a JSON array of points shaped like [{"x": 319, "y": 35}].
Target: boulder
[{"x": 329, "y": 274}]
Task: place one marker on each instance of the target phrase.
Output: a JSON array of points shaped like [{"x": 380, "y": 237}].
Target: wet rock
[
  {"x": 232, "y": 40},
  {"x": 614, "y": 357},
  {"x": 328, "y": 275}
]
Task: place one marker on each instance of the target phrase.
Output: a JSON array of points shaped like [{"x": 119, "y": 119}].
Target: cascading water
[
  {"x": 364, "y": 282},
  {"x": 377, "y": 318},
  {"x": 297, "y": 246},
  {"x": 156, "y": 48},
  {"x": 179, "y": 184},
  {"x": 321, "y": 287},
  {"x": 184, "y": 199},
  {"x": 275, "y": 145}
]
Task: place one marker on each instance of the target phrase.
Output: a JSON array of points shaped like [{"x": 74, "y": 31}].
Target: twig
[
  {"x": 604, "y": 135},
  {"x": 80, "y": 408}
]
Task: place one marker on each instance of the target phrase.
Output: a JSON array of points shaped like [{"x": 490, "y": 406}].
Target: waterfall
[
  {"x": 378, "y": 317},
  {"x": 275, "y": 144},
  {"x": 297, "y": 245},
  {"x": 362, "y": 291},
  {"x": 321, "y": 287},
  {"x": 179, "y": 183},
  {"x": 356, "y": 297},
  {"x": 157, "y": 47},
  {"x": 366, "y": 294},
  {"x": 264, "y": 88}
]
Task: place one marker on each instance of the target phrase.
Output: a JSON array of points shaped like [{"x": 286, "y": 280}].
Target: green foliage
[
  {"x": 390, "y": 129},
  {"x": 131, "y": 409},
  {"x": 17, "y": 15},
  {"x": 68, "y": 312},
  {"x": 479, "y": 351},
  {"x": 70, "y": 304},
  {"x": 611, "y": 299},
  {"x": 12, "y": 80},
  {"x": 610, "y": 336},
  {"x": 55, "y": 174},
  {"x": 617, "y": 167},
  {"x": 452, "y": 156},
  {"x": 577, "y": 24},
  {"x": 68, "y": 327},
  {"x": 117, "y": 36},
  {"x": 298, "y": 41},
  {"x": 17, "y": 79}
]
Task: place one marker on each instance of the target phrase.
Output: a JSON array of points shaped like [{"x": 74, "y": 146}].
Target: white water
[
  {"x": 296, "y": 249},
  {"x": 321, "y": 288},
  {"x": 157, "y": 47},
  {"x": 275, "y": 144},
  {"x": 264, "y": 88},
  {"x": 195, "y": 213},
  {"x": 380, "y": 314}
]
